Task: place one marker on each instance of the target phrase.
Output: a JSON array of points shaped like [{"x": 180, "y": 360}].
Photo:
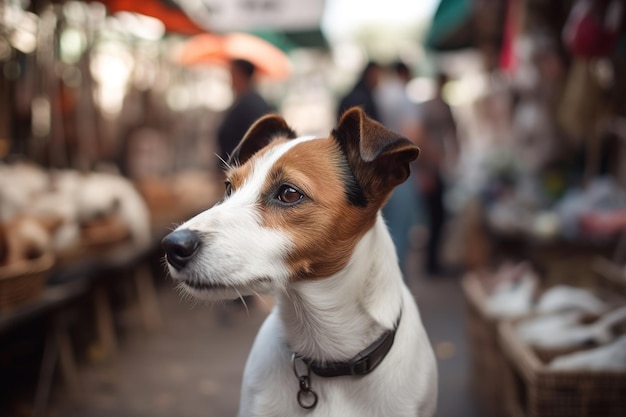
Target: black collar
[{"x": 363, "y": 363}]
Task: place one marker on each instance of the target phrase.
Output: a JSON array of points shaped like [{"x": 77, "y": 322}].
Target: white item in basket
[
  {"x": 611, "y": 357},
  {"x": 102, "y": 193},
  {"x": 513, "y": 299},
  {"x": 573, "y": 333},
  {"x": 534, "y": 329},
  {"x": 566, "y": 297},
  {"x": 19, "y": 183},
  {"x": 54, "y": 204}
]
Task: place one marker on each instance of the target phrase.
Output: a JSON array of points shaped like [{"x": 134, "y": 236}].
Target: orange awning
[
  {"x": 174, "y": 19},
  {"x": 214, "y": 49}
]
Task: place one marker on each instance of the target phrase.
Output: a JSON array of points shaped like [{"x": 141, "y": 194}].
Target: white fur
[{"x": 330, "y": 319}]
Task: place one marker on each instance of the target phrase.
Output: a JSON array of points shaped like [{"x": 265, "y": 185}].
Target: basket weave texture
[
  {"x": 538, "y": 391},
  {"x": 23, "y": 281},
  {"x": 486, "y": 360},
  {"x": 96, "y": 239},
  {"x": 612, "y": 276}
]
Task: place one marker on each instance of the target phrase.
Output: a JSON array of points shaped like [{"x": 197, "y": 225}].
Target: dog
[{"x": 301, "y": 219}]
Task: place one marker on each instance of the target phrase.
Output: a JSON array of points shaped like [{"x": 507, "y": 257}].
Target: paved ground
[
  {"x": 442, "y": 306},
  {"x": 193, "y": 365}
]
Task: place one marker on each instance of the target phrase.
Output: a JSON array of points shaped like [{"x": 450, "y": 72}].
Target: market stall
[
  {"x": 92, "y": 177},
  {"x": 545, "y": 200}
]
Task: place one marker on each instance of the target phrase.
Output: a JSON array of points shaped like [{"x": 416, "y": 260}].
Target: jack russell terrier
[{"x": 301, "y": 219}]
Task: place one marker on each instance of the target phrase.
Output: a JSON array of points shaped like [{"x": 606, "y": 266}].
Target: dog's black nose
[{"x": 180, "y": 246}]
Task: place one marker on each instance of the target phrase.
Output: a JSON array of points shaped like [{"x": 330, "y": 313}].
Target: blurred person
[
  {"x": 400, "y": 114},
  {"x": 246, "y": 109},
  {"x": 362, "y": 94},
  {"x": 438, "y": 143}
]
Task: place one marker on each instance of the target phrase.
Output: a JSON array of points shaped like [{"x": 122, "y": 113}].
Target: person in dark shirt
[
  {"x": 399, "y": 114},
  {"x": 439, "y": 150},
  {"x": 247, "y": 108},
  {"x": 362, "y": 94}
]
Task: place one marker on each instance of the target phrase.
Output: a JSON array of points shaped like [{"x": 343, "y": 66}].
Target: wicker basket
[
  {"x": 611, "y": 276},
  {"x": 569, "y": 263},
  {"x": 534, "y": 390},
  {"x": 97, "y": 238},
  {"x": 487, "y": 362},
  {"x": 22, "y": 282}
]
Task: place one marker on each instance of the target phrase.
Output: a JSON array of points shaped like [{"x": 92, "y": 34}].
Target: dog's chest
[
  {"x": 342, "y": 396},
  {"x": 270, "y": 386}
]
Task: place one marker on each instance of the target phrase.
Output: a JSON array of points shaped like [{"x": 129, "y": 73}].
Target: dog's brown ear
[
  {"x": 378, "y": 157},
  {"x": 258, "y": 136}
]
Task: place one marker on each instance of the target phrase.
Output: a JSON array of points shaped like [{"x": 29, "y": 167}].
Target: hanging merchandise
[
  {"x": 512, "y": 23},
  {"x": 592, "y": 27},
  {"x": 582, "y": 103}
]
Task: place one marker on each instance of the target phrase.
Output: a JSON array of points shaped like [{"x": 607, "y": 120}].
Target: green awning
[
  {"x": 286, "y": 41},
  {"x": 451, "y": 26},
  {"x": 313, "y": 38}
]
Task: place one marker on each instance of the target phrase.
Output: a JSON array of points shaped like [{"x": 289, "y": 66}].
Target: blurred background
[{"x": 115, "y": 119}]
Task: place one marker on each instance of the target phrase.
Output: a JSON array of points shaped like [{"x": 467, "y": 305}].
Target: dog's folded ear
[
  {"x": 378, "y": 157},
  {"x": 258, "y": 136}
]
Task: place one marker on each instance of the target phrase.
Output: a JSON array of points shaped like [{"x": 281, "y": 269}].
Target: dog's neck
[{"x": 335, "y": 318}]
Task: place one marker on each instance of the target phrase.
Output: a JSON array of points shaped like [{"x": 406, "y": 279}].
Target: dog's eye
[
  {"x": 229, "y": 188},
  {"x": 288, "y": 195}
]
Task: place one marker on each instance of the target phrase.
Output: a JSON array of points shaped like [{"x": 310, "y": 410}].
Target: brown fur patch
[
  {"x": 259, "y": 135},
  {"x": 378, "y": 157},
  {"x": 324, "y": 227}
]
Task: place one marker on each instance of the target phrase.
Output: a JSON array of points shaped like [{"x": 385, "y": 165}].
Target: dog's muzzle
[{"x": 180, "y": 247}]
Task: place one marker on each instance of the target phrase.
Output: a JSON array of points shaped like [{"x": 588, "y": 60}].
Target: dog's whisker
[
  {"x": 258, "y": 296},
  {"x": 261, "y": 299},
  {"x": 173, "y": 226},
  {"x": 243, "y": 301},
  {"x": 187, "y": 296},
  {"x": 226, "y": 164},
  {"x": 181, "y": 292},
  {"x": 164, "y": 264}
]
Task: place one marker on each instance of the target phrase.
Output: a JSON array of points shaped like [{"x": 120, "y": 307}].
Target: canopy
[
  {"x": 215, "y": 49},
  {"x": 174, "y": 19},
  {"x": 451, "y": 26}
]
